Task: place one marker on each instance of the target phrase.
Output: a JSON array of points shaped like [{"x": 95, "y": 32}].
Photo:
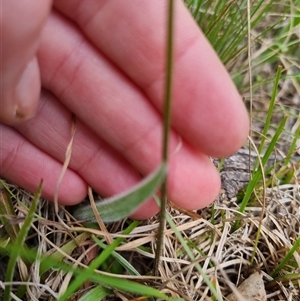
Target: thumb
[{"x": 21, "y": 24}]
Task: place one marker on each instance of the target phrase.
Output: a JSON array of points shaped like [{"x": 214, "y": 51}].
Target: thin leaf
[
  {"x": 85, "y": 275},
  {"x": 107, "y": 281},
  {"x": 122, "y": 205},
  {"x": 258, "y": 173},
  {"x": 292, "y": 147},
  {"x": 7, "y": 214},
  {"x": 192, "y": 257},
  {"x": 67, "y": 248},
  {"x": 20, "y": 242},
  {"x": 96, "y": 293},
  {"x": 120, "y": 259},
  {"x": 270, "y": 110},
  {"x": 287, "y": 257}
]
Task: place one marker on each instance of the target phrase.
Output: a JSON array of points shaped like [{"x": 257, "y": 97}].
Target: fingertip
[
  {"x": 72, "y": 190},
  {"x": 193, "y": 181},
  {"x": 20, "y": 100},
  {"x": 232, "y": 134},
  {"x": 26, "y": 165}
]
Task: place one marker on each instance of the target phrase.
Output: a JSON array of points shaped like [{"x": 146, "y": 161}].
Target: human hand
[{"x": 104, "y": 61}]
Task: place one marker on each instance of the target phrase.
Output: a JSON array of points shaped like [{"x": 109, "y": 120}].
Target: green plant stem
[{"x": 166, "y": 130}]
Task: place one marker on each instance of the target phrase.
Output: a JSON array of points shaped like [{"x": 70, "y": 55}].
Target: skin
[{"x": 104, "y": 61}]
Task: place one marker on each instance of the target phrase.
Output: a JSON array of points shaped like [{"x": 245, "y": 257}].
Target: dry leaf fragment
[{"x": 252, "y": 289}]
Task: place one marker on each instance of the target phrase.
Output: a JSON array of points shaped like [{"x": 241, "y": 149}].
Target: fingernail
[{"x": 28, "y": 92}]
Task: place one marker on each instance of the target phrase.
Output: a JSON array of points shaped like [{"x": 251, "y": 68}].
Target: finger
[
  {"x": 207, "y": 110},
  {"x": 26, "y": 165},
  {"x": 92, "y": 159},
  {"x": 21, "y": 24},
  {"x": 118, "y": 112}
]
